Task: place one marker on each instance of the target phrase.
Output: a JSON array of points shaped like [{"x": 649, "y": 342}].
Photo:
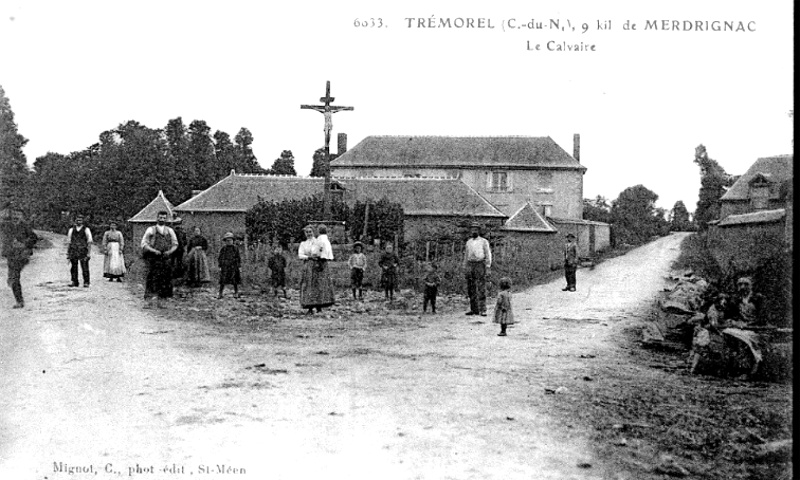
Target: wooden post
[
  {"x": 366, "y": 219},
  {"x": 246, "y": 250},
  {"x": 427, "y": 251}
]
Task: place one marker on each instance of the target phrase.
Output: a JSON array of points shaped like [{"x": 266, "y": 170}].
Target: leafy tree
[
  {"x": 635, "y": 216},
  {"x": 679, "y": 218},
  {"x": 385, "y": 220},
  {"x": 597, "y": 209},
  {"x": 318, "y": 166},
  {"x": 14, "y": 172},
  {"x": 246, "y": 161},
  {"x": 714, "y": 181},
  {"x": 201, "y": 152},
  {"x": 178, "y": 155},
  {"x": 225, "y": 153},
  {"x": 284, "y": 165},
  {"x": 283, "y": 222}
]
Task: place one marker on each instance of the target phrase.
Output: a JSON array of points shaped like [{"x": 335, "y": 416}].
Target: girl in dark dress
[
  {"x": 229, "y": 263},
  {"x": 388, "y": 264},
  {"x": 196, "y": 260}
]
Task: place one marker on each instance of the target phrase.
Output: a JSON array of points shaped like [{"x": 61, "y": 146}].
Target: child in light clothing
[
  {"x": 503, "y": 313},
  {"x": 357, "y": 263}
]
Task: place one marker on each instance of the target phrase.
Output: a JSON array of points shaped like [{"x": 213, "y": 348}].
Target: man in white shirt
[
  {"x": 79, "y": 251},
  {"x": 477, "y": 262},
  {"x": 158, "y": 243}
]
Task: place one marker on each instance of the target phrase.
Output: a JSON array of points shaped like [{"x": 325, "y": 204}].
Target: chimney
[
  {"x": 342, "y": 144},
  {"x": 576, "y": 146}
]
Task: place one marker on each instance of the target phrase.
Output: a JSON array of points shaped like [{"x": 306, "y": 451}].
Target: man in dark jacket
[
  {"x": 79, "y": 251},
  {"x": 17, "y": 240},
  {"x": 570, "y": 262}
]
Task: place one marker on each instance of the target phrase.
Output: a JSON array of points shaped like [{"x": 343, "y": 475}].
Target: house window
[
  {"x": 499, "y": 182},
  {"x": 759, "y": 196},
  {"x": 547, "y": 210}
]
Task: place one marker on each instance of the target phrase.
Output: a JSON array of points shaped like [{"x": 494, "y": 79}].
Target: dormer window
[{"x": 761, "y": 190}]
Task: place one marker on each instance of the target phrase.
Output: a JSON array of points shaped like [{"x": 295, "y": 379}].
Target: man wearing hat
[
  {"x": 570, "y": 262},
  {"x": 477, "y": 261},
  {"x": 158, "y": 243},
  {"x": 79, "y": 251}
]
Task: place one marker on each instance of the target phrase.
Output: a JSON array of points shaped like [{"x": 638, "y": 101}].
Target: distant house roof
[
  {"x": 527, "y": 219},
  {"x": 239, "y": 192},
  {"x": 423, "y": 196},
  {"x": 457, "y": 152},
  {"x": 149, "y": 214},
  {"x": 762, "y": 216},
  {"x": 777, "y": 169}
]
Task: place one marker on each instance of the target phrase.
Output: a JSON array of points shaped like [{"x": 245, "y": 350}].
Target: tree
[
  {"x": 597, "y": 209},
  {"x": 318, "y": 167},
  {"x": 714, "y": 181},
  {"x": 284, "y": 165},
  {"x": 635, "y": 216},
  {"x": 679, "y": 217},
  {"x": 246, "y": 161},
  {"x": 225, "y": 153},
  {"x": 201, "y": 152},
  {"x": 14, "y": 172}
]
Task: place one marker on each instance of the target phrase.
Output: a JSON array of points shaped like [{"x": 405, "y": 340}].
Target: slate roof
[
  {"x": 527, "y": 219},
  {"x": 778, "y": 169},
  {"x": 761, "y": 216},
  {"x": 423, "y": 196},
  {"x": 457, "y": 152},
  {"x": 418, "y": 196},
  {"x": 239, "y": 192},
  {"x": 149, "y": 214},
  {"x": 578, "y": 221}
]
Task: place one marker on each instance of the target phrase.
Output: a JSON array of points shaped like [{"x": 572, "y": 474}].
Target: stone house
[
  {"x": 512, "y": 173},
  {"x": 508, "y": 171}
]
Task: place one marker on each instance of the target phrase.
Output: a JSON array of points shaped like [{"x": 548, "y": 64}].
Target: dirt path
[{"x": 91, "y": 379}]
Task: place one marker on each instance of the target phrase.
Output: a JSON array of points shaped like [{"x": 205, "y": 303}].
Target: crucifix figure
[{"x": 327, "y": 110}]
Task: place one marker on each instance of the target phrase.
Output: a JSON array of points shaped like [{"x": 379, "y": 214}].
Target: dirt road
[{"x": 91, "y": 381}]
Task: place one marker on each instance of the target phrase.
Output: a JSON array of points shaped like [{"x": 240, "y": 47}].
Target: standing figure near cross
[{"x": 327, "y": 110}]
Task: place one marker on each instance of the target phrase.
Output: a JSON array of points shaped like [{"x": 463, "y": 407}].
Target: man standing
[
  {"x": 477, "y": 261},
  {"x": 17, "y": 244},
  {"x": 79, "y": 251},
  {"x": 158, "y": 243},
  {"x": 570, "y": 262}
]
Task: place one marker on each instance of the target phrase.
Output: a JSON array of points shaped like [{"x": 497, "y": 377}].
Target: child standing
[
  {"x": 502, "y": 311},
  {"x": 229, "y": 263},
  {"x": 357, "y": 263},
  {"x": 388, "y": 264},
  {"x": 277, "y": 265},
  {"x": 431, "y": 287}
]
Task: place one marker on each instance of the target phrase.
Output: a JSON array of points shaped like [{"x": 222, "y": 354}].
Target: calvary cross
[{"x": 328, "y": 110}]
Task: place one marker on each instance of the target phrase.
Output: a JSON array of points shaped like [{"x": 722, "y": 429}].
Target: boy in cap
[
  {"x": 357, "y": 263},
  {"x": 570, "y": 262}
]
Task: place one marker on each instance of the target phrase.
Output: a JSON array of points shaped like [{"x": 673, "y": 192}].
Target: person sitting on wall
[{"x": 747, "y": 306}]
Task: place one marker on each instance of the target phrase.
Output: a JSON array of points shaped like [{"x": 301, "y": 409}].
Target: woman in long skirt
[
  {"x": 316, "y": 288},
  {"x": 114, "y": 263},
  {"x": 196, "y": 260}
]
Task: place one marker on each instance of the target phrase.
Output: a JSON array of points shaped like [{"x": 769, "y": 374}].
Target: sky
[{"x": 641, "y": 102}]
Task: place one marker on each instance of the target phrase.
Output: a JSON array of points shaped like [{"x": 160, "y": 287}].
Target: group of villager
[{"x": 169, "y": 255}]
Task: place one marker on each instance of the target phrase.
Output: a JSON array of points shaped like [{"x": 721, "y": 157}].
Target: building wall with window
[{"x": 557, "y": 193}]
